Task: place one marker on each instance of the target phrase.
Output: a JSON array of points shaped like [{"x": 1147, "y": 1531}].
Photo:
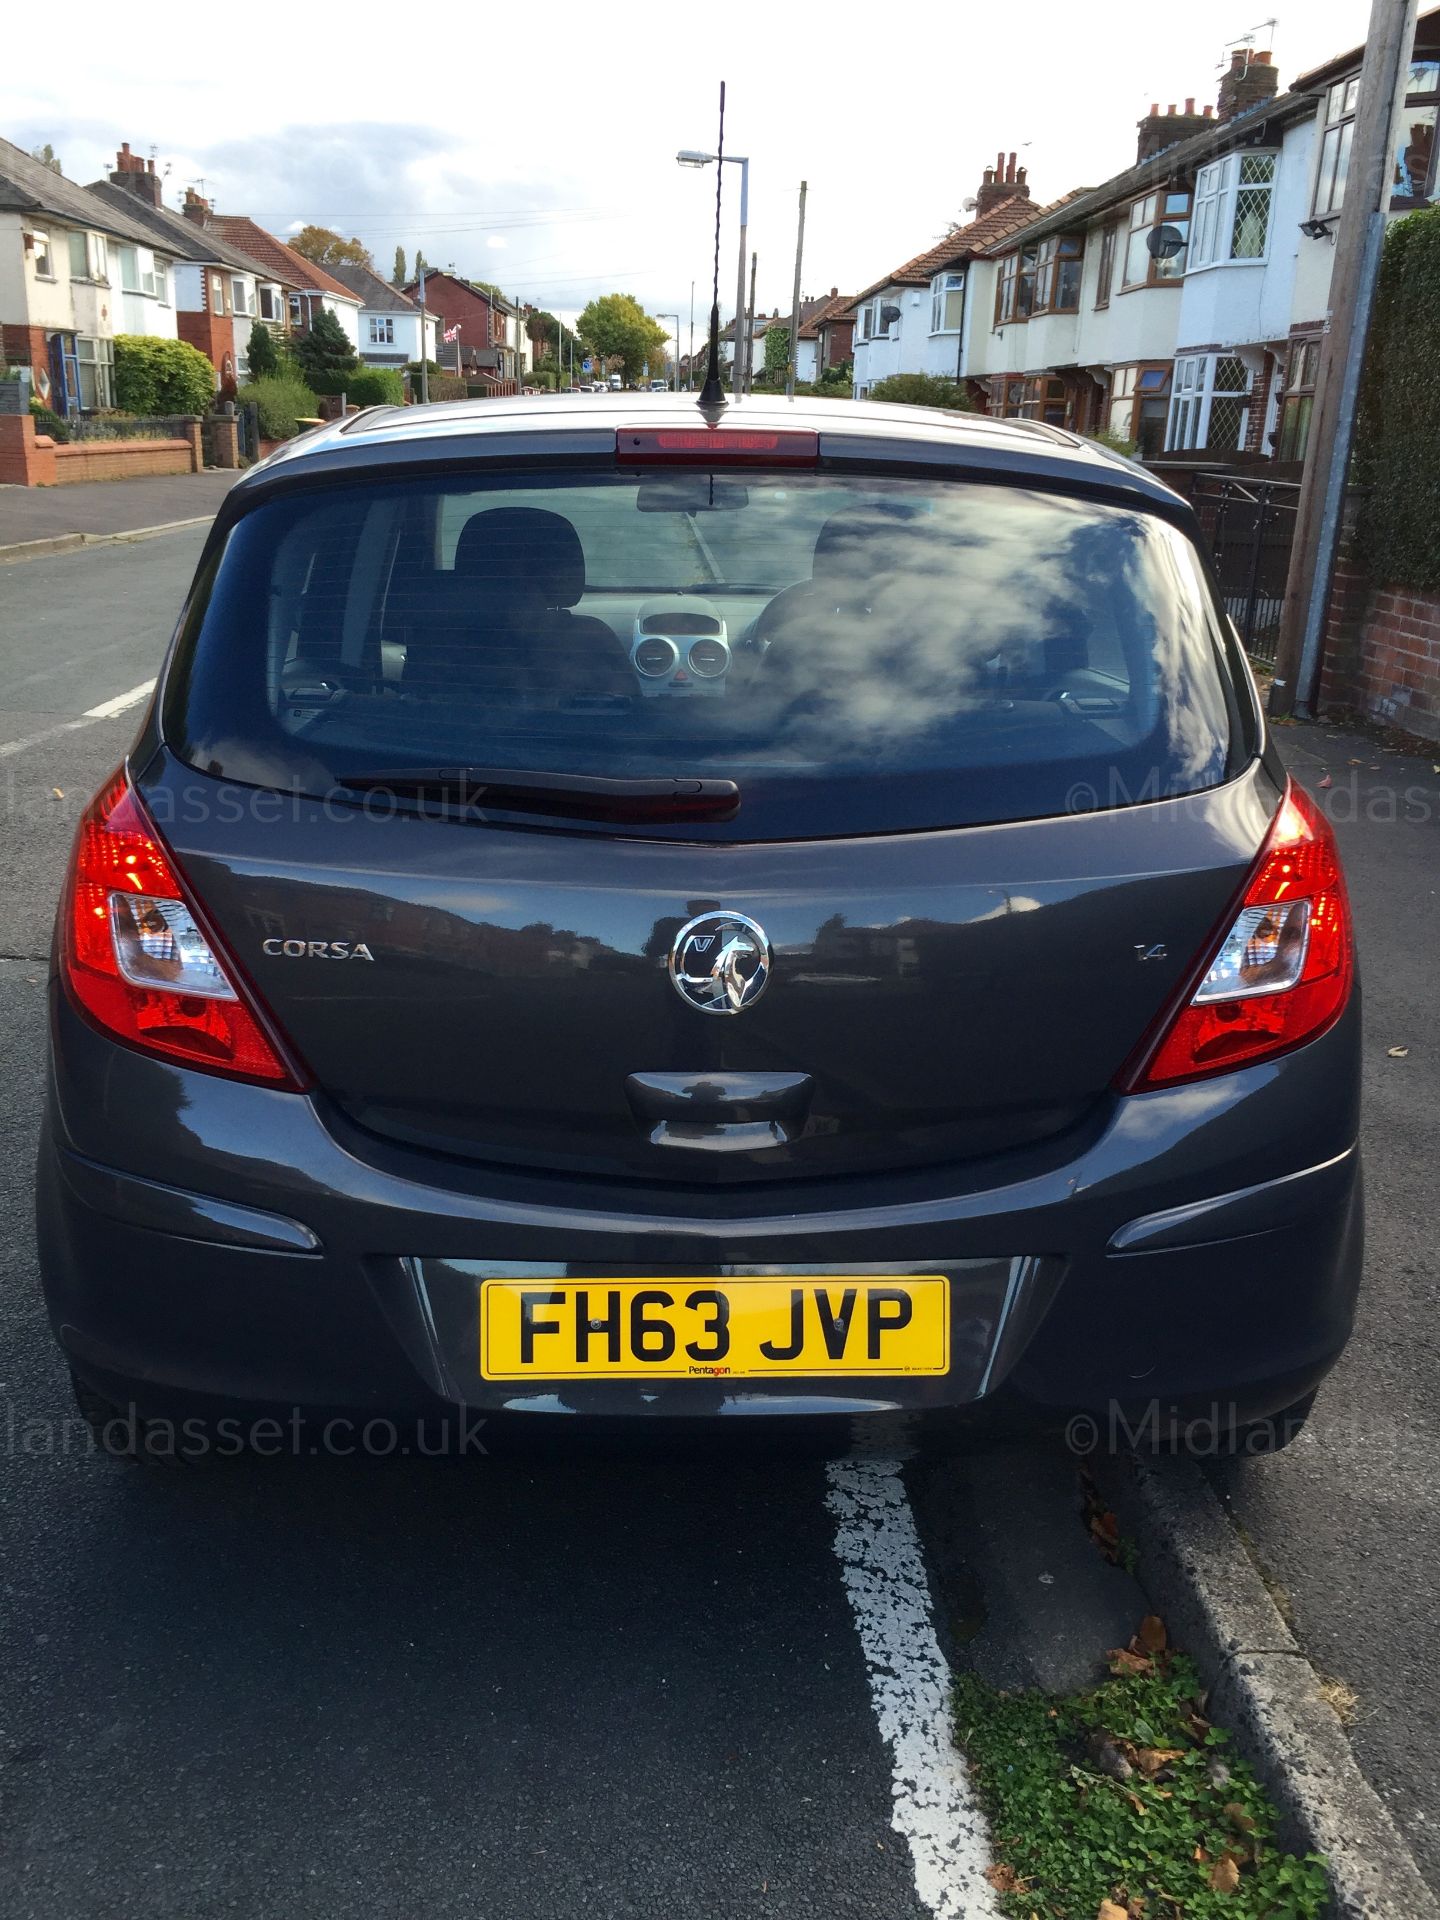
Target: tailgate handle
[{"x": 719, "y": 1111}]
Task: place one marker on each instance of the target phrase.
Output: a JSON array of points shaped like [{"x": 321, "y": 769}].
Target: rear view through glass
[{"x": 855, "y": 655}]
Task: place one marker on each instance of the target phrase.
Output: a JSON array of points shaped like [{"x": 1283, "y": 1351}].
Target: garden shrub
[
  {"x": 283, "y": 401},
  {"x": 1397, "y": 454},
  {"x": 154, "y": 376}
]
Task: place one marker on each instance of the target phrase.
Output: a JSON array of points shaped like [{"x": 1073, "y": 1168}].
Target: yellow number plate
[{"x": 705, "y": 1329}]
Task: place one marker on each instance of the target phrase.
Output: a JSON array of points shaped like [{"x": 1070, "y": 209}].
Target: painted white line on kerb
[
  {"x": 107, "y": 710},
  {"x": 935, "y": 1807},
  {"x": 122, "y": 702}
]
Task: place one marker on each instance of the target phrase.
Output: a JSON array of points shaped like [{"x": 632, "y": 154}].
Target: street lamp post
[
  {"x": 688, "y": 159},
  {"x": 675, "y": 370}
]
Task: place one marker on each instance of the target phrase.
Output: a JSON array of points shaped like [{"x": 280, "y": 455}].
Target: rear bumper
[{"x": 207, "y": 1245}]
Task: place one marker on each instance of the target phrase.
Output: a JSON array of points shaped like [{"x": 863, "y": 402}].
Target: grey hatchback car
[{"x": 633, "y": 919}]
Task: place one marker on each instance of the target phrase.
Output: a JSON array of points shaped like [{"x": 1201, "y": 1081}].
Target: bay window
[
  {"x": 1210, "y": 409},
  {"x": 88, "y": 259},
  {"x": 1412, "y": 179},
  {"x": 1335, "y": 144},
  {"x": 1106, "y": 273},
  {"x": 242, "y": 297},
  {"x": 1142, "y": 268},
  {"x": 1299, "y": 399},
  {"x": 1057, "y": 274},
  {"x": 1015, "y": 287},
  {"x": 1139, "y": 405},
  {"x": 1232, "y": 209},
  {"x": 270, "y": 303}
]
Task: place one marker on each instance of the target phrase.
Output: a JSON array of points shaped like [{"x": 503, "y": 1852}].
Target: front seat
[{"x": 518, "y": 573}]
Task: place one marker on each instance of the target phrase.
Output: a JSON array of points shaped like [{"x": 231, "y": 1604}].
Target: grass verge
[{"x": 1123, "y": 1803}]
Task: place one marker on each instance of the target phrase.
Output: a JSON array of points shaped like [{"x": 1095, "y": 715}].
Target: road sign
[{"x": 587, "y": 366}]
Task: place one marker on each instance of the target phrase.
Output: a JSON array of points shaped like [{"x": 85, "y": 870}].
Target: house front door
[{"x": 64, "y": 375}]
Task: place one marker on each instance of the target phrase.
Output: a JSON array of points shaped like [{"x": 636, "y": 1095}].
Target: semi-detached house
[
  {"x": 220, "y": 291},
  {"x": 74, "y": 272},
  {"x": 914, "y": 319},
  {"x": 1180, "y": 305}
]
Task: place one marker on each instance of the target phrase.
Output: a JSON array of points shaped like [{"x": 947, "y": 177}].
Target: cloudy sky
[{"x": 535, "y": 146}]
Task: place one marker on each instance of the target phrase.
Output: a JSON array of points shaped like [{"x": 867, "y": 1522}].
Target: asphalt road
[
  {"x": 336, "y": 1688},
  {"x": 385, "y": 1687}
]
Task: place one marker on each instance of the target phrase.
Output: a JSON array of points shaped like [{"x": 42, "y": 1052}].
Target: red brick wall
[
  {"x": 24, "y": 347},
  {"x": 1382, "y": 646},
  {"x": 23, "y": 462},
  {"x": 1260, "y": 406},
  {"x": 212, "y": 333},
  {"x": 121, "y": 459}
]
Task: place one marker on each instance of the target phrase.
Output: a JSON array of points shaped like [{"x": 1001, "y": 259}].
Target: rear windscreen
[{"x": 858, "y": 655}]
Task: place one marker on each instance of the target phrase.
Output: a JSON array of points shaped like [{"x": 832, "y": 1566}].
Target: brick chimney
[
  {"x": 196, "y": 207},
  {"x": 1250, "y": 80},
  {"x": 1160, "y": 130},
  {"x": 136, "y": 176},
  {"x": 1002, "y": 182}
]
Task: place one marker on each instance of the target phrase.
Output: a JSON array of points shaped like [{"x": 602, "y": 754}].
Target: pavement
[
  {"x": 1346, "y": 1522},
  {"x": 109, "y": 506},
  {"x": 328, "y": 1687}
]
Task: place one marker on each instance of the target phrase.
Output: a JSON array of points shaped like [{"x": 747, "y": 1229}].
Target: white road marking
[
  {"x": 122, "y": 702},
  {"x": 935, "y": 1806},
  {"x": 107, "y": 710}
]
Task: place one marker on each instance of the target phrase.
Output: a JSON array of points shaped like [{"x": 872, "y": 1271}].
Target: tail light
[
  {"x": 1281, "y": 972},
  {"x": 139, "y": 959}
]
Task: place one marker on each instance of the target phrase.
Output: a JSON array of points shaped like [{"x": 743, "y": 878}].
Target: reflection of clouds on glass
[{"x": 998, "y": 609}]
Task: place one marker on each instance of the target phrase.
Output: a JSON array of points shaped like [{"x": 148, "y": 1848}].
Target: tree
[
  {"x": 260, "y": 352},
  {"x": 922, "y": 390},
  {"x": 421, "y": 263},
  {"x": 397, "y": 279},
  {"x": 617, "y": 327},
  {"x": 327, "y": 249},
  {"x": 541, "y": 328},
  {"x": 777, "y": 350},
  {"x": 326, "y": 348},
  {"x": 47, "y": 157}
]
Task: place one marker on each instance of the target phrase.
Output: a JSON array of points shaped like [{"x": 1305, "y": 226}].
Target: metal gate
[{"x": 1249, "y": 526}]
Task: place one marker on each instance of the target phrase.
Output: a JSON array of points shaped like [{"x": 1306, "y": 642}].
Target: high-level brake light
[{"x": 720, "y": 446}]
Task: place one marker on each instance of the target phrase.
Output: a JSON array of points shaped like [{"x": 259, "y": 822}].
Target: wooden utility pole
[
  {"x": 1358, "y": 244},
  {"x": 793, "y": 357}
]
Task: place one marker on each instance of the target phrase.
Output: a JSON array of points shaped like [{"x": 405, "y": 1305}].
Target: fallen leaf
[
  {"x": 1150, "y": 1636},
  {"x": 1105, "y": 1527},
  {"x": 1151, "y": 1759},
  {"x": 1398, "y": 1053},
  {"x": 1003, "y": 1878},
  {"x": 1225, "y": 1874},
  {"x": 1109, "y": 1911},
  {"x": 1238, "y": 1817},
  {"x": 1122, "y": 1660},
  {"x": 57, "y": 793}
]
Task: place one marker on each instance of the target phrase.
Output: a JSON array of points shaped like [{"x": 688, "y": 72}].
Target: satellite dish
[{"x": 1165, "y": 242}]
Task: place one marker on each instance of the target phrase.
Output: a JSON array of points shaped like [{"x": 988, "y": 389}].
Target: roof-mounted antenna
[{"x": 712, "y": 394}]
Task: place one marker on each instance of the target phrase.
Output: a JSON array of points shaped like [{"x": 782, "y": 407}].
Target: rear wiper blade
[{"x": 584, "y": 796}]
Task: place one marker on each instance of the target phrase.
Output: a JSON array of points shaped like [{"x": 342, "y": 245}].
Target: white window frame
[
  {"x": 128, "y": 262},
  {"x": 242, "y": 297},
  {"x": 94, "y": 258},
  {"x": 97, "y": 358},
  {"x": 1212, "y": 221},
  {"x": 382, "y": 330},
  {"x": 269, "y": 295},
  {"x": 1193, "y": 394},
  {"x": 41, "y": 254},
  {"x": 943, "y": 288}
]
